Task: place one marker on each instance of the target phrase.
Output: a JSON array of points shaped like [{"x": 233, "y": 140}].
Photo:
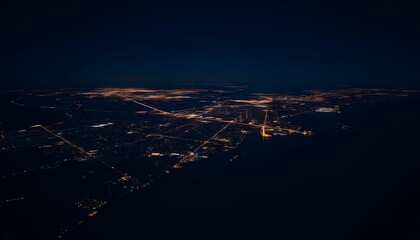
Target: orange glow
[
  {"x": 92, "y": 213},
  {"x": 263, "y": 133}
]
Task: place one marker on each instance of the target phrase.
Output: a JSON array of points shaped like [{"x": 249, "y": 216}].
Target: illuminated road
[
  {"x": 187, "y": 116},
  {"x": 211, "y": 138},
  {"x": 80, "y": 149},
  {"x": 145, "y": 105},
  {"x": 190, "y": 157},
  {"x": 103, "y": 128}
]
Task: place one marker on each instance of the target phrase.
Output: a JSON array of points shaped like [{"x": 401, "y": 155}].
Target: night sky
[{"x": 308, "y": 43}]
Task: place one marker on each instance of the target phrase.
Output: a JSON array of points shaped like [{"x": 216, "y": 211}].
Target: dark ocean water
[{"x": 359, "y": 183}]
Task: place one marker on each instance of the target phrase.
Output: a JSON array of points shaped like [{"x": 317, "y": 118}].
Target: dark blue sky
[{"x": 53, "y": 44}]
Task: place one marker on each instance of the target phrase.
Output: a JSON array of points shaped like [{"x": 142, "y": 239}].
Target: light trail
[
  {"x": 145, "y": 105},
  {"x": 174, "y": 129},
  {"x": 263, "y": 134},
  {"x": 187, "y": 109},
  {"x": 80, "y": 149},
  {"x": 211, "y": 138},
  {"x": 172, "y": 137},
  {"x": 290, "y": 130},
  {"x": 190, "y": 157}
]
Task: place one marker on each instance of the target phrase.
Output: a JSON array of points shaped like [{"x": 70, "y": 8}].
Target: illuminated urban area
[{"x": 109, "y": 142}]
